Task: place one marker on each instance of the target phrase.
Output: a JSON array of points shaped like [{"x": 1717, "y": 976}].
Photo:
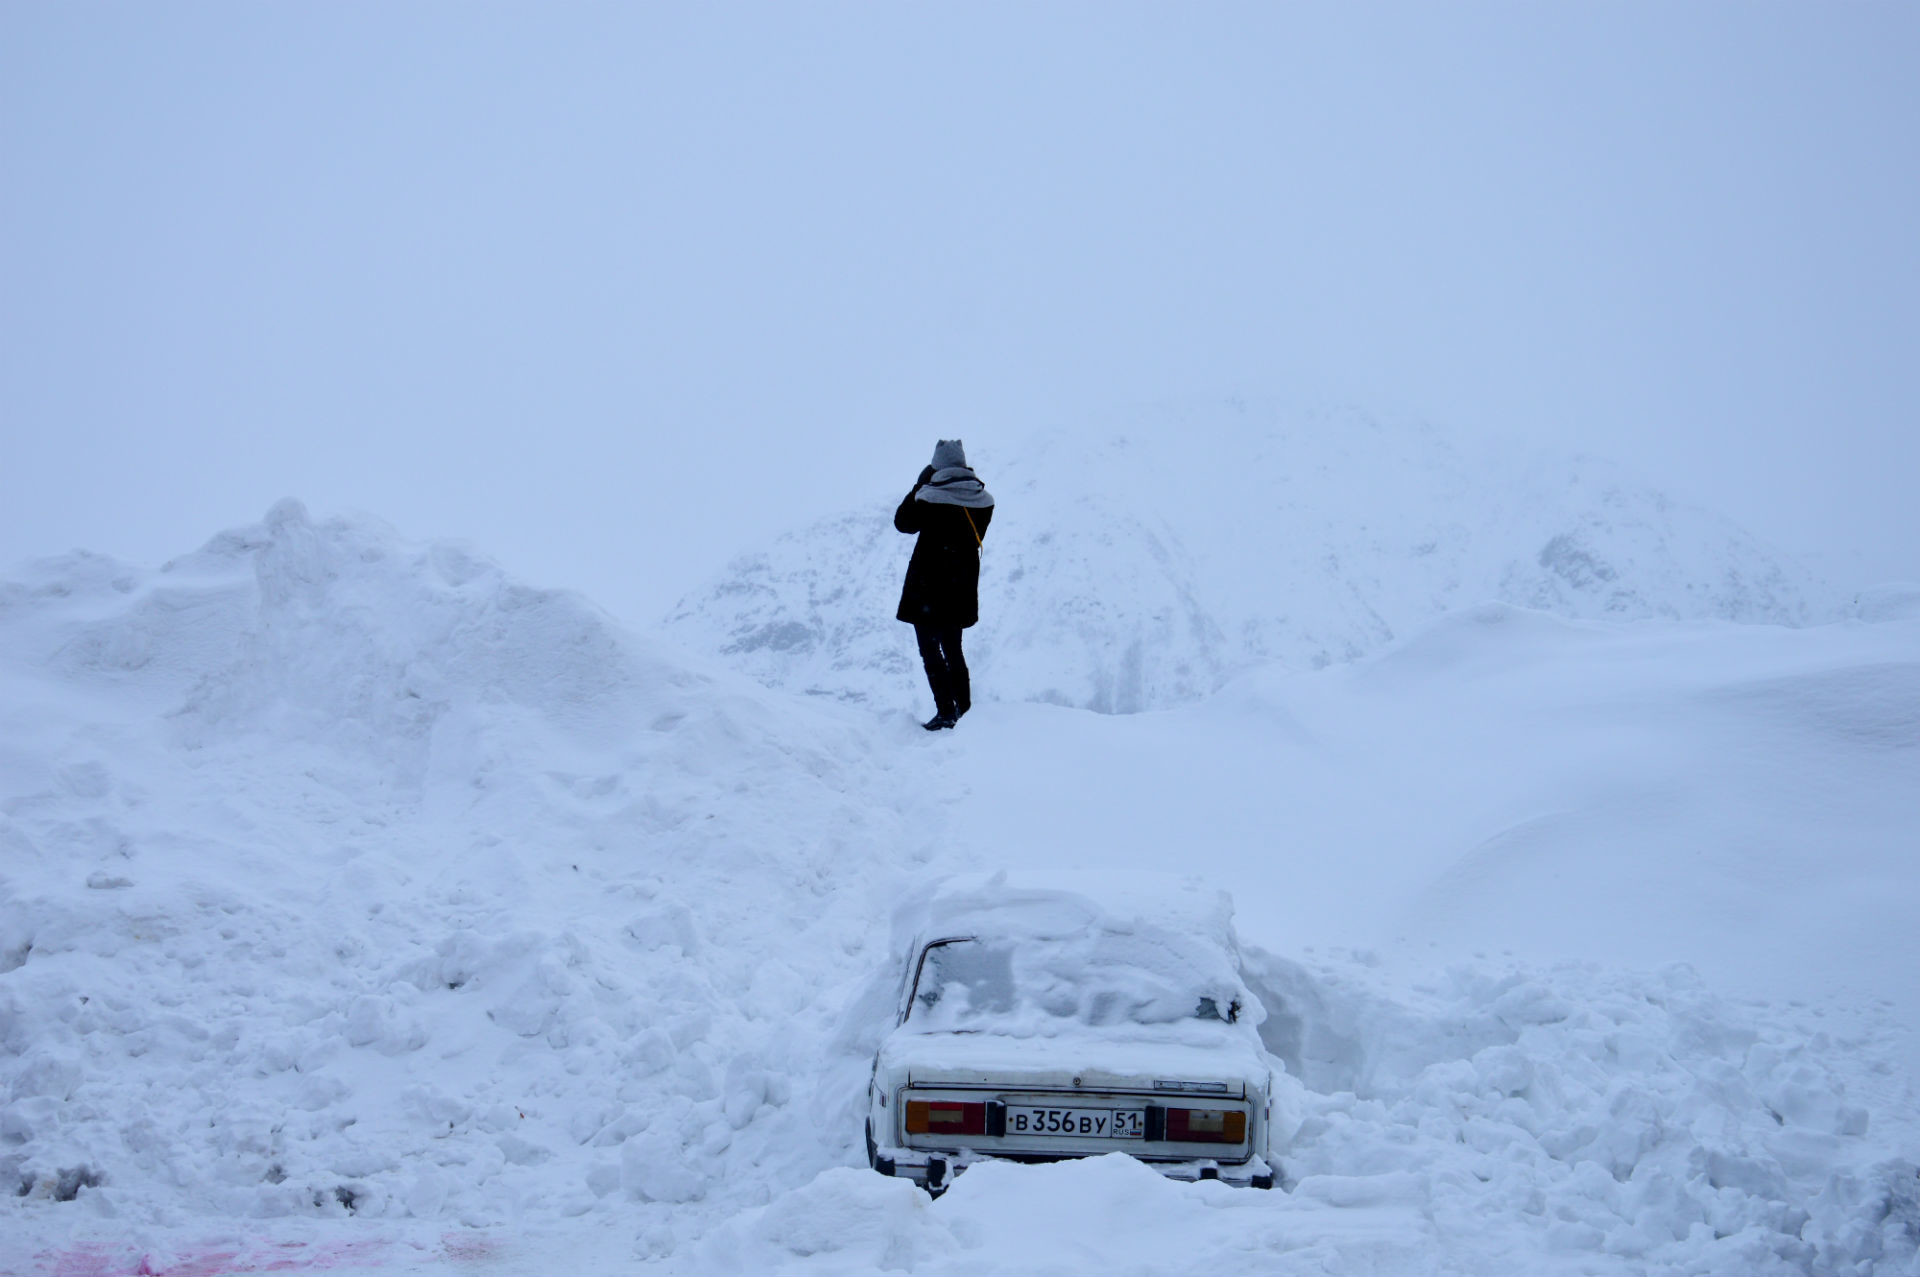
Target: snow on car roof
[
  {"x": 1178, "y": 926},
  {"x": 1051, "y": 904}
]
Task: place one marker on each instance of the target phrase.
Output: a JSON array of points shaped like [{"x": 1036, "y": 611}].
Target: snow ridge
[{"x": 1193, "y": 543}]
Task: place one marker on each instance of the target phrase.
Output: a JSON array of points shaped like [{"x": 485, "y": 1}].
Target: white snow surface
[
  {"x": 362, "y": 909},
  {"x": 1197, "y": 541}
]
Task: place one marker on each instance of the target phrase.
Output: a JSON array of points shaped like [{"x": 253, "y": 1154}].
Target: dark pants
[{"x": 946, "y": 669}]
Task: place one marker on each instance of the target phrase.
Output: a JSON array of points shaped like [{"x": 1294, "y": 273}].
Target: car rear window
[{"x": 982, "y": 984}]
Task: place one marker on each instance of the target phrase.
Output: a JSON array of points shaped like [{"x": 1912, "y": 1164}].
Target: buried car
[{"x": 1037, "y": 1023}]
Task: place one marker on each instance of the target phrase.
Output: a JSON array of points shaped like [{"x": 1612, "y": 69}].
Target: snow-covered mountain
[
  {"x": 1191, "y": 543},
  {"x": 364, "y": 909}
]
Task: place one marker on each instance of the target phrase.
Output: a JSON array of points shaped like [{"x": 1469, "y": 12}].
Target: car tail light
[
  {"x": 939, "y": 1117},
  {"x": 1206, "y": 1126}
]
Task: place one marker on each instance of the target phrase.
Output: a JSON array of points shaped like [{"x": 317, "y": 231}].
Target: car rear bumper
[{"x": 935, "y": 1170}]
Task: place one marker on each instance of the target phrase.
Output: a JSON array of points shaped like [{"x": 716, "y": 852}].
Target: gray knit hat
[{"x": 948, "y": 453}]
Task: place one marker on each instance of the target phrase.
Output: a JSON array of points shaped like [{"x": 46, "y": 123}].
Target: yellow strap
[{"x": 978, "y": 544}]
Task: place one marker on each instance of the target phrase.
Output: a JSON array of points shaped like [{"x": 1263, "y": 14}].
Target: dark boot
[
  {"x": 939, "y": 677},
  {"x": 946, "y": 666}
]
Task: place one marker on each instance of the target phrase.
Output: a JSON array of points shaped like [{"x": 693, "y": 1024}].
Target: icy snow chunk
[
  {"x": 603, "y": 1178},
  {"x": 1507, "y": 1070},
  {"x": 319, "y": 1091},
  {"x": 49, "y": 1073},
  {"x": 501, "y": 1117},
  {"x": 375, "y": 1022},
  {"x": 440, "y": 1111},
  {"x": 15, "y": 1126},
  {"x": 427, "y": 1193},
  {"x": 522, "y": 1152},
  {"x": 654, "y": 1167},
  {"x": 750, "y": 1086},
  {"x": 669, "y": 923},
  {"x": 535, "y": 1003},
  {"x": 650, "y": 1052}
]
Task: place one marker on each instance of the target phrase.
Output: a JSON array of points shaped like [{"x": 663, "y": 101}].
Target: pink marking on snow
[
  {"x": 466, "y": 1247},
  {"x": 94, "y": 1260}
]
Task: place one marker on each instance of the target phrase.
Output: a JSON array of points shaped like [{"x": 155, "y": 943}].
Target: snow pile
[
  {"x": 344, "y": 877},
  {"x": 363, "y": 909},
  {"x": 1586, "y": 1110},
  {"x": 1191, "y": 544}
]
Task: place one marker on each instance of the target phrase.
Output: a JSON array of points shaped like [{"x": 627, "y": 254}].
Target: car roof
[{"x": 1051, "y": 905}]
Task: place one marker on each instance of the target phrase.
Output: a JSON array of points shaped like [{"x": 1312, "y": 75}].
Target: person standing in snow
[{"x": 949, "y": 508}]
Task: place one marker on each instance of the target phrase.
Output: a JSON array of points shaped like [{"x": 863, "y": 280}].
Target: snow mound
[
  {"x": 362, "y": 908},
  {"x": 333, "y": 631},
  {"x": 1578, "y": 1109},
  {"x": 1190, "y": 544},
  {"x": 344, "y": 877}
]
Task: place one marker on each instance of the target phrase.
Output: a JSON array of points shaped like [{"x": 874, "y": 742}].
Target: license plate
[{"x": 1080, "y": 1123}]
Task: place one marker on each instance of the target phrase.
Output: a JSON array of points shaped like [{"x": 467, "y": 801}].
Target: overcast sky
[{"x": 615, "y": 291}]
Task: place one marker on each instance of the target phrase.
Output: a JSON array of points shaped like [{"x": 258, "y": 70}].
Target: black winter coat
[{"x": 943, "y": 577}]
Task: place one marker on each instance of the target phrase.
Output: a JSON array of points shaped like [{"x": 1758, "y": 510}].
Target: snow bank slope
[
  {"x": 344, "y": 876},
  {"x": 1597, "y": 940},
  {"x": 1194, "y": 543},
  {"x": 1740, "y": 798},
  {"x": 362, "y": 909}
]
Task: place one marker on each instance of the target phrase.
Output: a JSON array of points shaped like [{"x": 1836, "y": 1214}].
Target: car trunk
[
  {"x": 1072, "y": 1096},
  {"x": 1078, "y": 1063}
]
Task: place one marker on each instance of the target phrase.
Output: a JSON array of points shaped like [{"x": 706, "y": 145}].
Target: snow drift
[
  {"x": 343, "y": 875},
  {"x": 362, "y": 908}
]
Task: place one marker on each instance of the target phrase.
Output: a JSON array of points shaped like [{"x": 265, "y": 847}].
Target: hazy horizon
[{"x": 616, "y": 293}]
